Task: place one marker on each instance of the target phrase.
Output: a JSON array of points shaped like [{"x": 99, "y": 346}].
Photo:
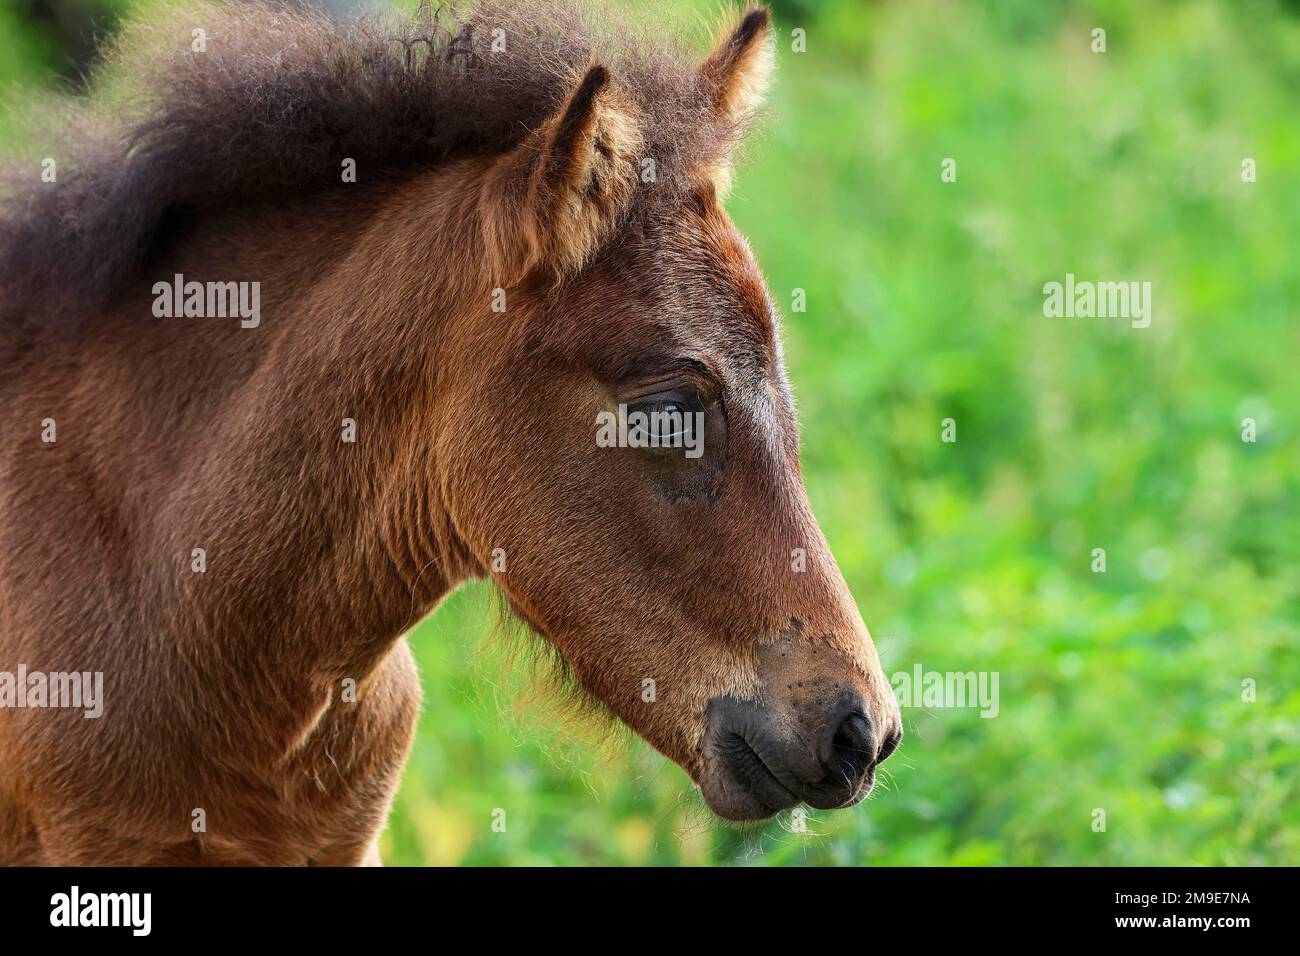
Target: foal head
[{"x": 621, "y": 456}]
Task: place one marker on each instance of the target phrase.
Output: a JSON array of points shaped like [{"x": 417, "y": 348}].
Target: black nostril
[
  {"x": 890, "y": 745},
  {"x": 852, "y": 748}
]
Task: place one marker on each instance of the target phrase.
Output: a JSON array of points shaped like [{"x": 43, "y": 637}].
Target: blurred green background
[{"x": 1121, "y": 690}]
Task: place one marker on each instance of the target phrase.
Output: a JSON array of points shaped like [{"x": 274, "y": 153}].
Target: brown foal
[{"x": 442, "y": 256}]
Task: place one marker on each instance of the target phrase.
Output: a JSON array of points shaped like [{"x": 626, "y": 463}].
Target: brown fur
[{"x": 223, "y": 689}]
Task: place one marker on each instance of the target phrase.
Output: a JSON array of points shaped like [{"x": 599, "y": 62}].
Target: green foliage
[{"x": 1119, "y": 690}]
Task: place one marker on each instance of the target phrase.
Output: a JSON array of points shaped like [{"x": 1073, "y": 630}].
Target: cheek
[
  {"x": 611, "y": 572},
  {"x": 517, "y": 460}
]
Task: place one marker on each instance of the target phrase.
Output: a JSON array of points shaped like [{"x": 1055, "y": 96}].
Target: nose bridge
[
  {"x": 816, "y": 598},
  {"x": 824, "y": 649},
  {"x": 822, "y": 611}
]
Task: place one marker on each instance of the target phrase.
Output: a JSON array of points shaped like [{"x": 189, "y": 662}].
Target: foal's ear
[
  {"x": 552, "y": 200},
  {"x": 736, "y": 75}
]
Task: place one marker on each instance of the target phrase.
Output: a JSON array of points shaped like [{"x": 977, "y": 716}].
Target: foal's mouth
[
  {"x": 750, "y": 769},
  {"x": 759, "y": 765},
  {"x": 765, "y": 788}
]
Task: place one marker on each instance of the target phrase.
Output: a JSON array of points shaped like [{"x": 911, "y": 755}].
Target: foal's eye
[
  {"x": 662, "y": 406},
  {"x": 665, "y": 420}
]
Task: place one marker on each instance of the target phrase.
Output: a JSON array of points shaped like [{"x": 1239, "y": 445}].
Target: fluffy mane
[{"x": 280, "y": 95}]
